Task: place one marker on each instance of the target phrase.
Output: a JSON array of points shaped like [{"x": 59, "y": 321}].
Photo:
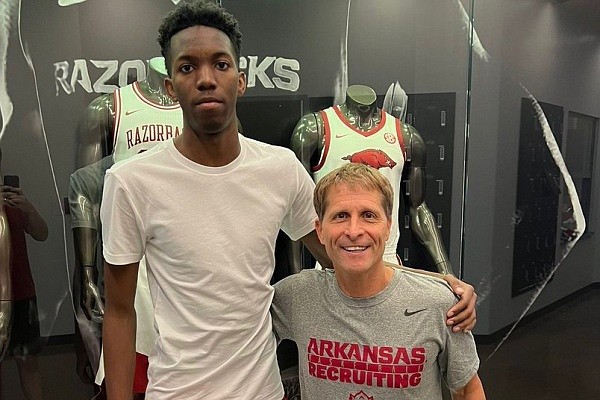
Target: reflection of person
[
  {"x": 358, "y": 132},
  {"x": 368, "y": 327},
  {"x": 5, "y": 284},
  {"x": 129, "y": 121},
  {"x": 25, "y": 341}
]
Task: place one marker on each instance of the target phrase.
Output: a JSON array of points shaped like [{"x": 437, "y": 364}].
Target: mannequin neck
[
  {"x": 360, "y": 107},
  {"x": 153, "y": 86}
]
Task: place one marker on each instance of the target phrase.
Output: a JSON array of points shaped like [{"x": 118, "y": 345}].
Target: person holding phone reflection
[{"x": 25, "y": 341}]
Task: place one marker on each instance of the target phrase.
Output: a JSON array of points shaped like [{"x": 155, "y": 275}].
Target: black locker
[{"x": 538, "y": 188}]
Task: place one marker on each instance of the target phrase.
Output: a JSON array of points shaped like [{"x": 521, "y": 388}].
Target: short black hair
[{"x": 205, "y": 13}]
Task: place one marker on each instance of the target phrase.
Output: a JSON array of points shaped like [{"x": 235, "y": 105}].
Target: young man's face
[
  {"x": 354, "y": 229},
  {"x": 205, "y": 79}
]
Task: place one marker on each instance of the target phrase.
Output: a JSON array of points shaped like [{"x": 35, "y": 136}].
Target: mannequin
[
  {"x": 372, "y": 139},
  {"x": 395, "y": 101},
  {"x": 98, "y": 141},
  {"x": 115, "y": 127}
]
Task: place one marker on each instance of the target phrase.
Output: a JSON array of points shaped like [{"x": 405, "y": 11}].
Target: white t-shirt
[{"x": 208, "y": 234}]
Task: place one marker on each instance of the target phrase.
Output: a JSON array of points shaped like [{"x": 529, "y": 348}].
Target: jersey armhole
[
  {"x": 117, "y": 104},
  {"x": 327, "y": 133},
  {"x": 400, "y": 133}
]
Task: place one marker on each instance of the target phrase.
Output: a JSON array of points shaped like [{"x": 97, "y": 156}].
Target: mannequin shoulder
[
  {"x": 308, "y": 132},
  {"x": 410, "y": 131},
  {"x": 102, "y": 102},
  {"x": 309, "y": 123},
  {"x": 100, "y": 110}
]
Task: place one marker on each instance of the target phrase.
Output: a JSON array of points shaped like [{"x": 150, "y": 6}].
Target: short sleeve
[
  {"x": 282, "y": 308},
  {"x": 300, "y": 218},
  {"x": 84, "y": 211},
  {"x": 122, "y": 228},
  {"x": 85, "y": 194},
  {"x": 459, "y": 361}
]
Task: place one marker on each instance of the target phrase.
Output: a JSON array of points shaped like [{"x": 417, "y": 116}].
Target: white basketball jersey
[
  {"x": 141, "y": 123},
  {"x": 381, "y": 147}
]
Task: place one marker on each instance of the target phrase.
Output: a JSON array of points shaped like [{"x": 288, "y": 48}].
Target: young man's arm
[
  {"x": 472, "y": 390},
  {"x": 119, "y": 329},
  {"x": 312, "y": 243}
]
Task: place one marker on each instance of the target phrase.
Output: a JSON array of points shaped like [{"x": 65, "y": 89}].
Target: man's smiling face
[{"x": 354, "y": 229}]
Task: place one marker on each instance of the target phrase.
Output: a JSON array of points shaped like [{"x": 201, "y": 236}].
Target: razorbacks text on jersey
[{"x": 141, "y": 123}]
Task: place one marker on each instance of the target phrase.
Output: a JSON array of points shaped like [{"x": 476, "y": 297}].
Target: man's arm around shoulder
[
  {"x": 119, "y": 329},
  {"x": 462, "y": 316},
  {"x": 472, "y": 390}
]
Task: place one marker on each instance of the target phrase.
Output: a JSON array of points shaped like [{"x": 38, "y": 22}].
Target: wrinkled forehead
[{"x": 352, "y": 187}]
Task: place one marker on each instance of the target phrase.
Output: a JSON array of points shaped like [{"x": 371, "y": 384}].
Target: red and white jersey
[
  {"x": 141, "y": 123},
  {"x": 381, "y": 147}
]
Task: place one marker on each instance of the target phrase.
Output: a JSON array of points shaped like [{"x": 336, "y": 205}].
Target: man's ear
[
  {"x": 389, "y": 229},
  {"x": 241, "y": 83},
  {"x": 319, "y": 230},
  {"x": 170, "y": 90}
]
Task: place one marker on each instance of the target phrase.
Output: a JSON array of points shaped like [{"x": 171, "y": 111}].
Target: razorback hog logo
[
  {"x": 371, "y": 157},
  {"x": 360, "y": 396}
]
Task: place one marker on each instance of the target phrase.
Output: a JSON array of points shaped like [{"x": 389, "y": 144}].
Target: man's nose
[
  {"x": 205, "y": 78},
  {"x": 354, "y": 228}
]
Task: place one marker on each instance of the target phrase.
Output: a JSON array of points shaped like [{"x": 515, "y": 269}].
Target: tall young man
[
  {"x": 367, "y": 329},
  {"x": 205, "y": 209}
]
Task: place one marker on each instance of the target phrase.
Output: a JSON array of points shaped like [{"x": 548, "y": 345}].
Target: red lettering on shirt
[{"x": 381, "y": 366}]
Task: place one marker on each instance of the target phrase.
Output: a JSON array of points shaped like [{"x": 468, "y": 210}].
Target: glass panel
[
  {"x": 525, "y": 204},
  {"x": 580, "y": 149}
]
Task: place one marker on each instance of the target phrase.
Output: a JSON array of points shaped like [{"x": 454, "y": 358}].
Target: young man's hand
[{"x": 462, "y": 316}]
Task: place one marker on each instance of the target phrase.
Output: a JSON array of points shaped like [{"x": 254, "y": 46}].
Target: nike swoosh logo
[
  {"x": 409, "y": 313},
  {"x": 341, "y": 136},
  {"x": 128, "y": 112}
]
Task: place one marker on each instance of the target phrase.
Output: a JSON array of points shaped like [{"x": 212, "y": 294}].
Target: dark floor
[{"x": 552, "y": 357}]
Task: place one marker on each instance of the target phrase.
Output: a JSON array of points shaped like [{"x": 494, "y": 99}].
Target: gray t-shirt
[{"x": 394, "y": 345}]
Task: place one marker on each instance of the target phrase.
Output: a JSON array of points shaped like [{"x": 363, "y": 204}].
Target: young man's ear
[
  {"x": 170, "y": 90},
  {"x": 241, "y": 83}
]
